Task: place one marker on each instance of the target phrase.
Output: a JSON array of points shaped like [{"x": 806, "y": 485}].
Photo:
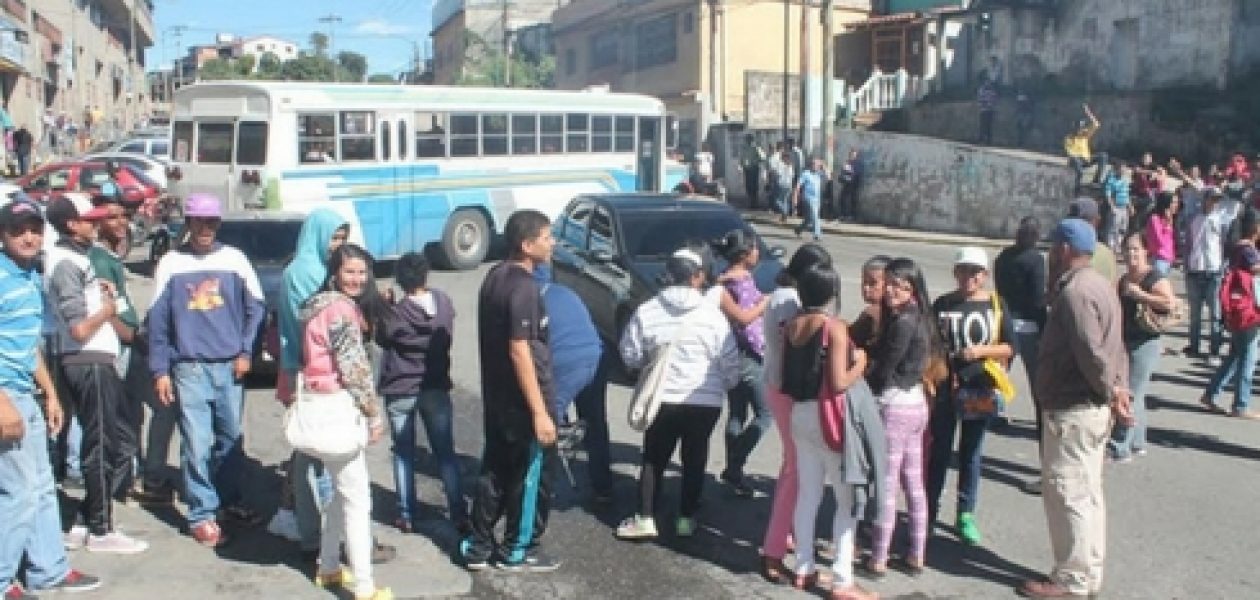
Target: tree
[
  {"x": 269, "y": 66},
  {"x": 354, "y": 64},
  {"x": 382, "y": 78},
  {"x": 488, "y": 66},
  {"x": 309, "y": 68},
  {"x": 319, "y": 42},
  {"x": 215, "y": 69},
  {"x": 244, "y": 66}
]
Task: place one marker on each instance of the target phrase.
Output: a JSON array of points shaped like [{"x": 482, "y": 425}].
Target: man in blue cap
[{"x": 1081, "y": 382}]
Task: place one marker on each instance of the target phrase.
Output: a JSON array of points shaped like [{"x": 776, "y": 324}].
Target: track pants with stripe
[
  {"x": 513, "y": 485},
  {"x": 109, "y": 438}
]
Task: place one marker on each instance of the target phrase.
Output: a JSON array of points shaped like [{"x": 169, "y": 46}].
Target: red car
[{"x": 50, "y": 180}]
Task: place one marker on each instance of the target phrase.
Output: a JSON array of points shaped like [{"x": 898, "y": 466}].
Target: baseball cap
[
  {"x": 74, "y": 205},
  {"x": 202, "y": 205},
  {"x": 1083, "y": 208},
  {"x": 973, "y": 256},
  {"x": 18, "y": 212},
  {"x": 1076, "y": 233}
]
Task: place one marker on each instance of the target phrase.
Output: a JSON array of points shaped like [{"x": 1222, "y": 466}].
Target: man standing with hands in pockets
[{"x": 1082, "y": 372}]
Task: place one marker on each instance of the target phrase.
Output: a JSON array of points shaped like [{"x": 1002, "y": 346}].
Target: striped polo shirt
[{"x": 21, "y": 320}]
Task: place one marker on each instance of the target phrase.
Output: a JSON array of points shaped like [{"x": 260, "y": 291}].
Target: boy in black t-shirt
[{"x": 516, "y": 389}]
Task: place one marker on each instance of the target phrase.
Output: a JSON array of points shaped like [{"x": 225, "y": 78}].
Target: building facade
[
  {"x": 713, "y": 63},
  {"x": 84, "y": 59},
  {"x": 464, "y": 31}
]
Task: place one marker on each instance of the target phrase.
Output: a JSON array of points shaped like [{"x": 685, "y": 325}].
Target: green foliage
[
  {"x": 309, "y": 68},
  {"x": 353, "y": 64},
  {"x": 319, "y": 42},
  {"x": 269, "y": 66},
  {"x": 488, "y": 66},
  {"x": 244, "y": 66},
  {"x": 216, "y": 69},
  {"x": 382, "y": 78}
]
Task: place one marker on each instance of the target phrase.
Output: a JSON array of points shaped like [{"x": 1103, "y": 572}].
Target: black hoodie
[{"x": 417, "y": 347}]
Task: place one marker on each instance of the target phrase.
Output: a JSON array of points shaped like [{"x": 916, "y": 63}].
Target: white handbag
[
  {"x": 645, "y": 401},
  {"x": 324, "y": 426}
]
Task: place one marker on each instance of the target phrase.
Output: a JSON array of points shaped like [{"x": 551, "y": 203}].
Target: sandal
[
  {"x": 911, "y": 567},
  {"x": 871, "y": 571},
  {"x": 774, "y": 571},
  {"x": 853, "y": 592},
  {"x": 805, "y": 582}
]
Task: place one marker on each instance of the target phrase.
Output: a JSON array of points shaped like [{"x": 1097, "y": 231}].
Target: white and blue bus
[{"x": 414, "y": 166}]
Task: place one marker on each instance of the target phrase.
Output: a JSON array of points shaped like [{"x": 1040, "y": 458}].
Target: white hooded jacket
[{"x": 706, "y": 362}]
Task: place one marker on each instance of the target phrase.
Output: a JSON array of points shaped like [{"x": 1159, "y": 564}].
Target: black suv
[{"x": 611, "y": 248}]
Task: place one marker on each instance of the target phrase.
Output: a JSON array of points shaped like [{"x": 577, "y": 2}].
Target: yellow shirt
[{"x": 1077, "y": 144}]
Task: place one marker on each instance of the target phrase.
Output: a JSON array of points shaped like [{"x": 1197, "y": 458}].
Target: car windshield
[
  {"x": 262, "y": 241},
  {"x": 656, "y": 235}
]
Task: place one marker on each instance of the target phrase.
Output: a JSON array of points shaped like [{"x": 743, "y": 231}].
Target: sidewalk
[{"x": 767, "y": 219}]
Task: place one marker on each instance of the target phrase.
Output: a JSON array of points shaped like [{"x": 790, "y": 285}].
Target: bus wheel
[{"x": 465, "y": 241}]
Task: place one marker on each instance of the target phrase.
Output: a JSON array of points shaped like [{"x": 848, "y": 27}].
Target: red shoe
[
  {"x": 15, "y": 592},
  {"x": 209, "y": 534}
]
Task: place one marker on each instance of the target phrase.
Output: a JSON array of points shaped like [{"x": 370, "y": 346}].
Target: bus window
[
  {"x": 601, "y": 133},
  {"x": 552, "y": 138},
  {"x": 524, "y": 134},
  {"x": 431, "y": 135},
  {"x": 385, "y": 141},
  {"x": 358, "y": 135},
  {"x": 214, "y": 143},
  {"x": 251, "y": 143},
  {"x": 317, "y": 138},
  {"x": 494, "y": 139},
  {"x": 624, "y": 142},
  {"x": 578, "y": 128},
  {"x": 183, "y": 135},
  {"x": 464, "y": 135}
]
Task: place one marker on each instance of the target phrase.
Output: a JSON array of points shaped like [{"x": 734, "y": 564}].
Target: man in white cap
[{"x": 206, "y": 312}]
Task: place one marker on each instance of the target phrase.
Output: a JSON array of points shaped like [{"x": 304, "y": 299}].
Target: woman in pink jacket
[
  {"x": 335, "y": 364},
  {"x": 1160, "y": 237}
]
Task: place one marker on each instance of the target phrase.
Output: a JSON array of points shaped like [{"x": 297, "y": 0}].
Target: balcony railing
[{"x": 885, "y": 91}]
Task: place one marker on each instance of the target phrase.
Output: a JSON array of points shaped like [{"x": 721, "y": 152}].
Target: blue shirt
[
  {"x": 21, "y": 321},
  {"x": 1118, "y": 190},
  {"x": 810, "y": 186},
  {"x": 571, "y": 333}
]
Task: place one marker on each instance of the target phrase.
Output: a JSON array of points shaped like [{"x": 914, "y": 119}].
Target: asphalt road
[{"x": 1182, "y": 520}]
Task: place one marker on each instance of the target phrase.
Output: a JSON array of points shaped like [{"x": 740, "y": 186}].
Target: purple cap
[{"x": 203, "y": 205}]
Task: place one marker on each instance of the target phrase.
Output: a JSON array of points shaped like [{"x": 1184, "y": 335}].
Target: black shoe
[
  {"x": 72, "y": 483},
  {"x": 472, "y": 562},
  {"x": 738, "y": 485},
  {"x": 534, "y": 562},
  {"x": 383, "y": 553}
]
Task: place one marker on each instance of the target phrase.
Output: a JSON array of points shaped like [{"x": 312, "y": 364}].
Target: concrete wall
[{"x": 935, "y": 185}]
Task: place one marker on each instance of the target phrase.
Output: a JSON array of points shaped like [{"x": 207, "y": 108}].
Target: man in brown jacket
[{"x": 1081, "y": 381}]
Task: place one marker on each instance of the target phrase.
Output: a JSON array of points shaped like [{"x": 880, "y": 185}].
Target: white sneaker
[
  {"x": 116, "y": 542},
  {"x": 637, "y": 528},
  {"x": 284, "y": 525},
  {"x": 75, "y": 538}
]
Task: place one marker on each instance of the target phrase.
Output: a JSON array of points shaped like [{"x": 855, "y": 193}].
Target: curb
[{"x": 878, "y": 232}]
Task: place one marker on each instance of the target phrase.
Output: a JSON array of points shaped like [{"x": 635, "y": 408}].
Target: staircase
[{"x": 882, "y": 92}]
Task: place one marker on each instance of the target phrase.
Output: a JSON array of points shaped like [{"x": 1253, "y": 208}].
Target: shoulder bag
[
  {"x": 645, "y": 400},
  {"x": 830, "y": 402},
  {"x": 1157, "y": 322},
  {"x": 325, "y": 426},
  {"x": 982, "y": 401}
]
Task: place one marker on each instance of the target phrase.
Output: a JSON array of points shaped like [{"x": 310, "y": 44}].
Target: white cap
[{"x": 971, "y": 255}]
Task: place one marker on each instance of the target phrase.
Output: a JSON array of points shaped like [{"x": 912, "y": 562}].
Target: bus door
[
  {"x": 650, "y": 155},
  {"x": 394, "y": 130},
  {"x": 209, "y": 155}
]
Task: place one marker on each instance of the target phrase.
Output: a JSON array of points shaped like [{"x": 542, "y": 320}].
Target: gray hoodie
[{"x": 865, "y": 451}]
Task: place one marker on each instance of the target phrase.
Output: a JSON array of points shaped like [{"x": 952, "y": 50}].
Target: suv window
[
  {"x": 657, "y": 235},
  {"x": 92, "y": 178},
  {"x": 574, "y": 225},
  {"x": 262, "y": 241},
  {"x": 603, "y": 234}
]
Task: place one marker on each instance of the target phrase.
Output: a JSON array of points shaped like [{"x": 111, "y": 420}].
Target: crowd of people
[{"x": 877, "y": 406}]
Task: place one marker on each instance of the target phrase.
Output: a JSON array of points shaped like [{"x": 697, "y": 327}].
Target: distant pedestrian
[
  {"x": 206, "y": 312},
  {"x": 1120, "y": 208},
  {"x": 808, "y": 198},
  {"x": 1143, "y": 287},
  {"x": 784, "y": 304},
  {"x": 703, "y": 366},
  {"x": 29, "y": 510},
  {"x": 23, "y": 143},
  {"x": 1204, "y": 270},
  {"x": 700, "y": 182},
  {"x": 1025, "y": 120},
  {"x": 1104, "y": 260},
  {"x": 416, "y": 337},
  {"x": 974, "y": 332},
  {"x": 986, "y": 103},
  {"x": 1159, "y": 234},
  {"x": 850, "y": 183},
  {"x": 1244, "y": 343},
  {"x": 750, "y": 162},
  {"x": 797, "y": 161},
  {"x": 337, "y": 369},
  {"x": 517, "y": 389},
  {"x": 781, "y": 178},
  {"x": 1076, "y": 147},
  {"x": 744, "y": 305},
  {"x": 1081, "y": 374}
]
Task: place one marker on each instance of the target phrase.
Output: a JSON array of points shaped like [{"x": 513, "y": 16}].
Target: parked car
[
  {"x": 87, "y": 176},
  {"x": 153, "y": 167},
  {"x": 611, "y": 248},
  {"x": 155, "y": 146}
]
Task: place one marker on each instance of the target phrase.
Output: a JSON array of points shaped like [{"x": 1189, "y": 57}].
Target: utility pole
[
  {"x": 829, "y": 105},
  {"x": 787, "y": 54},
  {"x": 507, "y": 47},
  {"x": 178, "y": 32},
  {"x": 415, "y": 65},
  {"x": 806, "y": 129},
  {"x": 131, "y": 65},
  {"x": 332, "y": 20}
]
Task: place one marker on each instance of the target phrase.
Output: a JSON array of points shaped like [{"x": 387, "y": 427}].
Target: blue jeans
[
  {"x": 312, "y": 490},
  {"x": 570, "y": 379},
  {"x": 743, "y": 434},
  {"x": 1142, "y": 360},
  {"x": 782, "y": 201},
  {"x": 1204, "y": 287},
  {"x": 810, "y": 219},
  {"x": 943, "y": 423},
  {"x": 592, "y": 407},
  {"x": 28, "y": 503},
  {"x": 1239, "y": 367},
  {"x": 162, "y": 419},
  {"x": 434, "y": 408},
  {"x": 211, "y": 453}
]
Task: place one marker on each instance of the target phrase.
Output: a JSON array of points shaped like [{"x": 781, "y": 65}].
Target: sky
[{"x": 382, "y": 30}]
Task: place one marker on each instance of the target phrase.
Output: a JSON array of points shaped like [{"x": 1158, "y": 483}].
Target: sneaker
[
  {"x": 75, "y": 538},
  {"x": 72, "y": 482},
  {"x": 342, "y": 578},
  {"x": 383, "y": 553},
  {"x": 1140, "y": 452},
  {"x": 685, "y": 527},
  {"x": 1245, "y": 414},
  {"x": 116, "y": 542},
  {"x": 379, "y": 594},
  {"x": 637, "y": 527},
  {"x": 1213, "y": 361},
  {"x": 534, "y": 562},
  {"x": 209, "y": 534},
  {"x": 16, "y": 592},
  {"x": 154, "y": 495},
  {"x": 472, "y": 562},
  {"x": 74, "y": 581},
  {"x": 737, "y": 483},
  {"x": 967, "y": 529}
]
